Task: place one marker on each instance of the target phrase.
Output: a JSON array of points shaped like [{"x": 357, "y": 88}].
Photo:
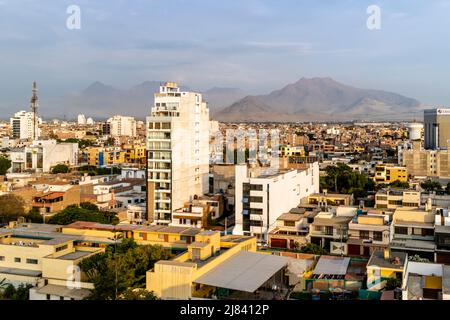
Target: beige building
[
  {"x": 437, "y": 128},
  {"x": 421, "y": 162},
  {"x": 394, "y": 198},
  {"x": 178, "y": 150}
]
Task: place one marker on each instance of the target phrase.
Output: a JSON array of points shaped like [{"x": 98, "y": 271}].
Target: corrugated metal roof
[
  {"x": 245, "y": 271},
  {"x": 332, "y": 265}
]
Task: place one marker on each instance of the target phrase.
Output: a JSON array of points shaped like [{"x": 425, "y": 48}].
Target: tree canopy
[
  {"x": 84, "y": 213},
  {"x": 11, "y": 207},
  {"x": 5, "y": 164},
  {"x": 60, "y": 168},
  {"x": 431, "y": 185},
  {"x": 120, "y": 270},
  {"x": 342, "y": 179}
]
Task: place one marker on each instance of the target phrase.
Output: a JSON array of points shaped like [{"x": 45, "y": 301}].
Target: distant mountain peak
[{"x": 319, "y": 98}]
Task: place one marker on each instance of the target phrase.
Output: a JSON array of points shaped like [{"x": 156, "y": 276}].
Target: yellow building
[
  {"x": 288, "y": 151},
  {"x": 384, "y": 265},
  {"x": 129, "y": 154},
  {"x": 166, "y": 236},
  {"x": 212, "y": 265},
  {"x": 388, "y": 173},
  {"x": 40, "y": 255},
  {"x": 332, "y": 199}
]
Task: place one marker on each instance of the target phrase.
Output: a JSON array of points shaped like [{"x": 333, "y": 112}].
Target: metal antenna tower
[{"x": 34, "y": 107}]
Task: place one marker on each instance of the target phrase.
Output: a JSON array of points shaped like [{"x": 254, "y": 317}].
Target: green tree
[
  {"x": 137, "y": 294},
  {"x": 119, "y": 270},
  {"x": 341, "y": 178},
  {"x": 431, "y": 185},
  {"x": 75, "y": 213},
  {"x": 417, "y": 258},
  {"x": 313, "y": 249},
  {"x": 110, "y": 142},
  {"x": 5, "y": 164},
  {"x": 11, "y": 207},
  {"x": 60, "y": 168},
  {"x": 89, "y": 206},
  {"x": 34, "y": 216},
  {"x": 392, "y": 283},
  {"x": 22, "y": 292},
  {"x": 399, "y": 184}
]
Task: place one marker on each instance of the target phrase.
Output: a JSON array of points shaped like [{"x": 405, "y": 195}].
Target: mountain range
[
  {"x": 100, "y": 100},
  {"x": 322, "y": 99},
  {"x": 314, "y": 99}
]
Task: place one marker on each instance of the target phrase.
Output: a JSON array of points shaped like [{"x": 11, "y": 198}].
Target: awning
[{"x": 245, "y": 271}]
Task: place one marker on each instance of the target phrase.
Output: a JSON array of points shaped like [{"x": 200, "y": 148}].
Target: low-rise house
[
  {"x": 223, "y": 267},
  {"x": 331, "y": 199},
  {"x": 40, "y": 255},
  {"x": 291, "y": 230},
  {"x": 384, "y": 265},
  {"x": 55, "y": 201},
  {"x": 393, "y": 198},
  {"x": 330, "y": 229},
  {"x": 368, "y": 232},
  {"x": 388, "y": 173},
  {"x": 442, "y": 236},
  {"x": 414, "y": 231},
  {"x": 426, "y": 281}
]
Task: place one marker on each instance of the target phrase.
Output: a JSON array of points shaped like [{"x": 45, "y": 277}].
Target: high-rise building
[
  {"x": 437, "y": 128},
  {"x": 122, "y": 126},
  {"x": 178, "y": 151},
  {"x": 81, "y": 119},
  {"x": 22, "y": 125}
]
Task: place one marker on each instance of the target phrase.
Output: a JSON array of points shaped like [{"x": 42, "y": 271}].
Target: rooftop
[
  {"x": 377, "y": 259},
  {"x": 332, "y": 265}
]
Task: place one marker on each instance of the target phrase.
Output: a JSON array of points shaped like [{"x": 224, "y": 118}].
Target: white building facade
[
  {"x": 122, "y": 126},
  {"x": 22, "y": 125},
  {"x": 261, "y": 200},
  {"x": 178, "y": 151}
]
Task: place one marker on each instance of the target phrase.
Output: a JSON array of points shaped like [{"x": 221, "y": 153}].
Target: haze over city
[{"x": 257, "y": 46}]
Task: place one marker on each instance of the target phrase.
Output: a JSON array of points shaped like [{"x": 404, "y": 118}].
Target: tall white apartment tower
[
  {"x": 22, "y": 125},
  {"x": 178, "y": 151}
]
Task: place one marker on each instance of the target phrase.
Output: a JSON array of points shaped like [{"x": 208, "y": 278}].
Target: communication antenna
[{"x": 34, "y": 107}]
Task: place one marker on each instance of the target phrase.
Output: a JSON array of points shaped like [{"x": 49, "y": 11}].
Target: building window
[
  {"x": 18, "y": 260},
  {"x": 256, "y": 187},
  {"x": 401, "y": 230},
  {"x": 48, "y": 297},
  {"x": 256, "y": 223},
  {"x": 61, "y": 298},
  {"x": 289, "y": 223},
  {"x": 377, "y": 236},
  {"x": 364, "y": 234},
  {"x": 256, "y": 199},
  {"x": 256, "y": 211},
  {"x": 329, "y": 231},
  {"x": 32, "y": 261},
  {"x": 64, "y": 247},
  {"x": 2, "y": 258}
]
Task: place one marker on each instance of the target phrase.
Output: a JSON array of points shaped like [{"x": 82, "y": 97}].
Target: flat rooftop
[
  {"x": 75, "y": 255},
  {"x": 377, "y": 259}
]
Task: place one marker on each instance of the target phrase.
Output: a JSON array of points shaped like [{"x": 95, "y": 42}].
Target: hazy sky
[{"x": 257, "y": 45}]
